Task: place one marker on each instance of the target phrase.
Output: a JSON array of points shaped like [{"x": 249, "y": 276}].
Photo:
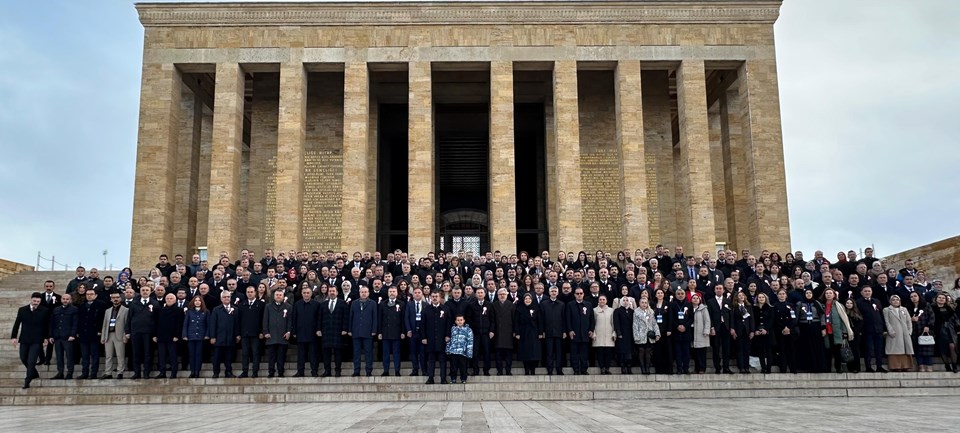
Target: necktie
[
  {"x": 331, "y": 305},
  {"x": 49, "y": 298},
  {"x": 418, "y": 308},
  {"x": 143, "y": 301}
]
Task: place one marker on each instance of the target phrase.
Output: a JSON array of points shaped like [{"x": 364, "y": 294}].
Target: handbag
[
  {"x": 926, "y": 339},
  {"x": 846, "y": 353},
  {"x": 651, "y": 335}
]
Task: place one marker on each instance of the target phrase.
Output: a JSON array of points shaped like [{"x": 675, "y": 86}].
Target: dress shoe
[
  {"x": 26, "y": 384},
  {"x": 161, "y": 376},
  {"x": 314, "y": 374},
  {"x": 559, "y": 372},
  {"x": 336, "y": 374},
  {"x": 355, "y": 374},
  {"x": 453, "y": 381},
  {"x": 57, "y": 377},
  {"x": 69, "y": 376},
  {"x": 270, "y": 375},
  {"x": 486, "y": 372},
  {"x": 228, "y": 375},
  {"x": 106, "y": 376},
  {"x": 192, "y": 376},
  {"x": 509, "y": 373},
  {"x": 385, "y": 373},
  {"x": 397, "y": 374},
  {"x": 82, "y": 377},
  {"x": 255, "y": 374},
  {"x": 136, "y": 376},
  {"x": 414, "y": 373},
  {"x": 280, "y": 374},
  {"x": 216, "y": 375},
  {"x": 325, "y": 374},
  {"x": 429, "y": 381},
  {"x": 369, "y": 374},
  {"x": 298, "y": 374},
  {"x": 869, "y": 370},
  {"x": 243, "y": 375},
  {"x": 881, "y": 370},
  {"x": 443, "y": 381},
  {"x": 120, "y": 376}
]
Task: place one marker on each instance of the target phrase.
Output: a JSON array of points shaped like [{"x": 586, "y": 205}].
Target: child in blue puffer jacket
[{"x": 460, "y": 348}]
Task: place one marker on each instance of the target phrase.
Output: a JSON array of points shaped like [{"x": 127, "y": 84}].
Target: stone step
[{"x": 268, "y": 390}]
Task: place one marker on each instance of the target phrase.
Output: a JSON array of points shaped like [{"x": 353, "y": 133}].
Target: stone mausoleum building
[{"x": 509, "y": 125}]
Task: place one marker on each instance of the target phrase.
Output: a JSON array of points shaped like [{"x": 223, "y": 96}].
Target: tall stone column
[
  {"x": 422, "y": 203},
  {"x": 629, "y": 106},
  {"x": 658, "y": 147},
  {"x": 291, "y": 137},
  {"x": 224, "y": 219},
  {"x": 188, "y": 161},
  {"x": 154, "y": 194},
  {"x": 503, "y": 202},
  {"x": 696, "y": 204},
  {"x": 566, "y": 119},
  {"x": 356, "y": 121},
  {"x": 763, "y": 143},
  {"x": 740, "y": 233}
]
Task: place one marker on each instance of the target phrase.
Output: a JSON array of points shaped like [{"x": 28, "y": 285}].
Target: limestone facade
[{"x": 661, "y": 122}]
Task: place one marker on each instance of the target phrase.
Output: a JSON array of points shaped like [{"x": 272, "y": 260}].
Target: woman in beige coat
[
  {"x": 701, "y": 334},
  {"x": 899, "y": 345},
  {"x": 603, "y": 335}
]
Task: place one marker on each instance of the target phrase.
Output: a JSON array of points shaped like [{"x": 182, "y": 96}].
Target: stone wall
[
  {"x": 323, "y": 163},
  {"x": 600, "y": 170},
  {"x": 8, "y": 268},
  {"x": 939, "y": 260}
]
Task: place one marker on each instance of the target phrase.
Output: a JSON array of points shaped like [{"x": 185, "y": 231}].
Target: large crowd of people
[{"x": 645, "y": 311}]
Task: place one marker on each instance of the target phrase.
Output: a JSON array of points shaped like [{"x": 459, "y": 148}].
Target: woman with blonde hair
[
  {"x": 898, "y": 347},
  {"x": 646, "y": 332}
]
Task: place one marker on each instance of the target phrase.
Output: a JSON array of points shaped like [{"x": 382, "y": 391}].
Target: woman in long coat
[
  {"x": 502, "y": 328},
  {"x": 528, "y": 330},
  {"x": 701, "y": 333},
  {"x": 623, "y": 328},
  {"x": 922, "y": 318},
  {"x": 663, "y": 347},
  {"x": 603, "y": 334},
  {"x": 898, "y": 345},
  {"x": 645, "y": 322}
]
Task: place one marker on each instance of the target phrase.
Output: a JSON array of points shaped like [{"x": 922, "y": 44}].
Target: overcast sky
[{"x": 869, "y": 94}]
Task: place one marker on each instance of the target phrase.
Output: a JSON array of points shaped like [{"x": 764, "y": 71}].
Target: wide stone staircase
[{"x": 15, "y": 291}]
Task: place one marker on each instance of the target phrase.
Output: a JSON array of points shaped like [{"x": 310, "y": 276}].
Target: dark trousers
[
  {"x": 167, "y": 356},
  {"x": 787, "y": 359},
  {"x": 90, "y": 358},
  {"x": 504, "y": 360},
  {"x": 433, "y": 358},
  {"x": 763, "y": 348},
  {"x": 604, "y": 354},
  {"x": 64, "y": 350},
  {"x": 554, "y": 354},
  {"x": 141, "y": 354},
  {"x": 700, "y": 359},
  {"x": 417, "y": 356},
  {"x": 874, "y": 348},
  {"x": 833, "y": 353},
  {"x": 184, "y": 353},
  {"x": 681, "y": 354},
  {"x": 336, "y": 354},
  {"x": 720, "y": 344},
  {"x": 459, "y": 366},
  {"x": 363, "y": 346},
  {"x": 224, "y": 355},
  {"x": 276, "y": 358},
  {"x": 250, "y": 354},
  {"x": 481, "y": 351},
  {"x": 743, "y": 350},
  {"x": 195, "y": 347},
  {"x": 391, "y": 349},
  {"x": 46, "y": 354},
  {"x": 307, "y": 350},
  {"x": 29, "y": 353},
  {"x": 663, "y": 354},
  {"x": 578, "y": 356}
]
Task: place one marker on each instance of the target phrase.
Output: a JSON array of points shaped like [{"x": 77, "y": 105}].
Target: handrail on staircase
[{"x": 53, "y": 263}]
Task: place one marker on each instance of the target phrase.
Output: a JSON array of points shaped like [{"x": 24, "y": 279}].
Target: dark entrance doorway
[
  {"x": 392, "y": 180},
  {"x": 529, "y": 154},
  {"x": 463, "y": 145}
]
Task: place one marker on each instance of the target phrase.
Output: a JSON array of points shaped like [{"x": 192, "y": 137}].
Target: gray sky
[{"x": 869, "y": 99}]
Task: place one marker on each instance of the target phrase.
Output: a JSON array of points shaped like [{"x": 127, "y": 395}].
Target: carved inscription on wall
[
  {"x": 323, "y": 191},
  {"x": 602, "y": 205}
]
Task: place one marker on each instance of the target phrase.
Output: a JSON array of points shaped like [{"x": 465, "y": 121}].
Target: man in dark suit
[
  {"x": 30, "y": 330},
  {"x": 391, "y": 331},
  {"x": 251, "y": 331},
  {"x": 579, "y": 325},
  {"x": 718, "y": 306},
  {"x": 89, "y": 320},
  {"x": 413, "y": 321},
  {"x": 436, "y": 332},
  {"x": 479, "y": 312},
  {"x": 49, "y": 300},
  {"x": 223, "y": 328},
  {"x": 63, "y": 331},
  {"x": 364, "y": 324},
  {"x": 333, "y": 316},
  {"x": 554, "y": 331},
  {"x": 141, "y": 328},
  {"x": 306, "y": 315},
  {"x": 873, "y": 329},
  {"x": 277, "y": 327}
]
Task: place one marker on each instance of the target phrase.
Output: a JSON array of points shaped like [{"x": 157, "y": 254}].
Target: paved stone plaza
[{"x": 767, "y": 415}]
